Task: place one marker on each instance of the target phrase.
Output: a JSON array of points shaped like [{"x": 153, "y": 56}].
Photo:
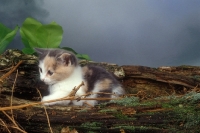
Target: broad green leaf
[
  {"x": 31, "y": 21},
  {"x": 34, "y": 34},
  {"x": 24, "y": 39},
  {"x": 28, "y": 51},
  {"x": 40, "y": 38},
  {"x": 80, "y": 56},
  {"x": 6, "y": 37},
  {"x": 28, "y": 31},
  {"x": 83, "y": 56},
  {"x": 49, "y": 36},
  {"x": 3, "y": 31},
  {"x": 69, "y": 49}
]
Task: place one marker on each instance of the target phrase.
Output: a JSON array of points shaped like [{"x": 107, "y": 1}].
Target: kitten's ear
[
  {"x": 64, "y": 59},
  {"x": 39, "y": 50}
]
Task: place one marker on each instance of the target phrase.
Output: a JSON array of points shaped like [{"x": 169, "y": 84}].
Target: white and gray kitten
[{"x": 60, "y": 70}]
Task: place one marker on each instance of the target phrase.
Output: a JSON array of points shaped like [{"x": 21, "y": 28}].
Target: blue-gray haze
[{"x": 126, "y": 32}]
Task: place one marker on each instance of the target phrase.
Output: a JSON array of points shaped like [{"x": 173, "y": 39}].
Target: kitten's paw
[
  {"x": 49, "y": 98},
  {"x": 46, "y": 98}
]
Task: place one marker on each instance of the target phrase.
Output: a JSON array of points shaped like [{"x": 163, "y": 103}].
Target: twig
[
  {"x": 11, "y": 99},
  {"x": 12, "y": 117},
  {"x": 92, "y": 93},
  {"x": 12, "y": 70},
  {"x": 6, "y": 69},
  {"x": 60, "y": 99},
  {"x": 88, "y": 104},
  {"x": 73, "y": 92},
  {"x": 46, "y": 113},
  {"x": 17, "y": 127},
  {"x": 5, "y": 125}
]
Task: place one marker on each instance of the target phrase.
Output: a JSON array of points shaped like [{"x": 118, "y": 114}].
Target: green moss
[
  {"x": 121, "y": 116},
  {"x": 91, "y": 125},
  {"x": 195, "y": 77},
  {"x": 125, "y": 127},
  {"x": 148, "y": 103},
  {"x": 107, "y": 110},
  {"x": 193, "y": 97},
  {"x": 127, "y": 101},
  {"x": 91, "y": 132},
  {"x": 133, "y": 129},
  {"x": 185, "y": 111},
  {"x": 189, "y": 115}
]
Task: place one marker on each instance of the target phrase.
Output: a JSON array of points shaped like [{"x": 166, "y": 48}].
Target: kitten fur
[{"x": 60, "y": 70}]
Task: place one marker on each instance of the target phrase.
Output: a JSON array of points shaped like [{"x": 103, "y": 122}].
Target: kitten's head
[{"x": 55, "y": 64}]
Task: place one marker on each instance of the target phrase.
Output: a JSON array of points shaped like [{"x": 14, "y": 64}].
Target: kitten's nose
[{"x": 42, "y": 80}]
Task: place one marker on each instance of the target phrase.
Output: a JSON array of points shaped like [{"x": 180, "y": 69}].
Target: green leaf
[
  {"x": 4, "y": 30},
  {"x": 80, "y": 56},
  {"x": 83, "y": 56},
  {"x": 40, "y": 37},
  {"x": 55, "y": 34},
  {"x": 6, "y": 36},
  {"x": 28, "y": 51},
  {"x": 49, "y": 36},
  {"x": 69, "y": 49},
  {"x": 28, "y": 32},
  {"x": 34, "y": 34}
]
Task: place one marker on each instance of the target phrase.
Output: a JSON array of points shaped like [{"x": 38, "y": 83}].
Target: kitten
[{"x": 60, "y": 70}]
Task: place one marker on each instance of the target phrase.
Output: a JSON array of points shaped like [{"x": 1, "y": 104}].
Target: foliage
[
  {"x": 6, "y": 36},
  {"x": 35, "y": 34},
  {"x": 80, "y": 56}
]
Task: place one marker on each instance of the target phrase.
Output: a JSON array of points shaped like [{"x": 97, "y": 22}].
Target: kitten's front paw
[{"x": 46, "y": 98}]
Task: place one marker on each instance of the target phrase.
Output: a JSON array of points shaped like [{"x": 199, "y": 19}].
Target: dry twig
[
  {"x": 69, "y": 97},
  {"x": 6, "y": 69},
  {"x": 11, "y": 99},
  {"x": 16, "y": 126},
  {"x": 46, "y": 113},
  {"x": 11, "y": 71},
  {"x": 73, "y": 92},
  {"x": 55, "y": 100},
  {"x": 5, "y": 125},
  {"x": 12, "y": 116}
]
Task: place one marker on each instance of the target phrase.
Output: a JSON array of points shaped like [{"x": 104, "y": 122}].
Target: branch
[{"x": 69, "y": 97}]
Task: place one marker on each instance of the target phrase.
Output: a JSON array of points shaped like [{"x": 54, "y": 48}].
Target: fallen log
[{"x": 164, "y": 99}]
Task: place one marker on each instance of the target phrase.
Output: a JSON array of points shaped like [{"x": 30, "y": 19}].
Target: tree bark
[{"x": 163, "y": 99}]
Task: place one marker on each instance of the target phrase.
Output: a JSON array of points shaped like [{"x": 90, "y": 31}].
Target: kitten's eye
[
  {"x": 40, "y": 69},
  {"x": 50, "y": 72}
]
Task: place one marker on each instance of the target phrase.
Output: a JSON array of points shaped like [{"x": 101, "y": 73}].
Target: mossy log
[{"x": 161, "y": 100}]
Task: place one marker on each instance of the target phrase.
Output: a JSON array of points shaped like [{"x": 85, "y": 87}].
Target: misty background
[{"x": 126, "y": 32}]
